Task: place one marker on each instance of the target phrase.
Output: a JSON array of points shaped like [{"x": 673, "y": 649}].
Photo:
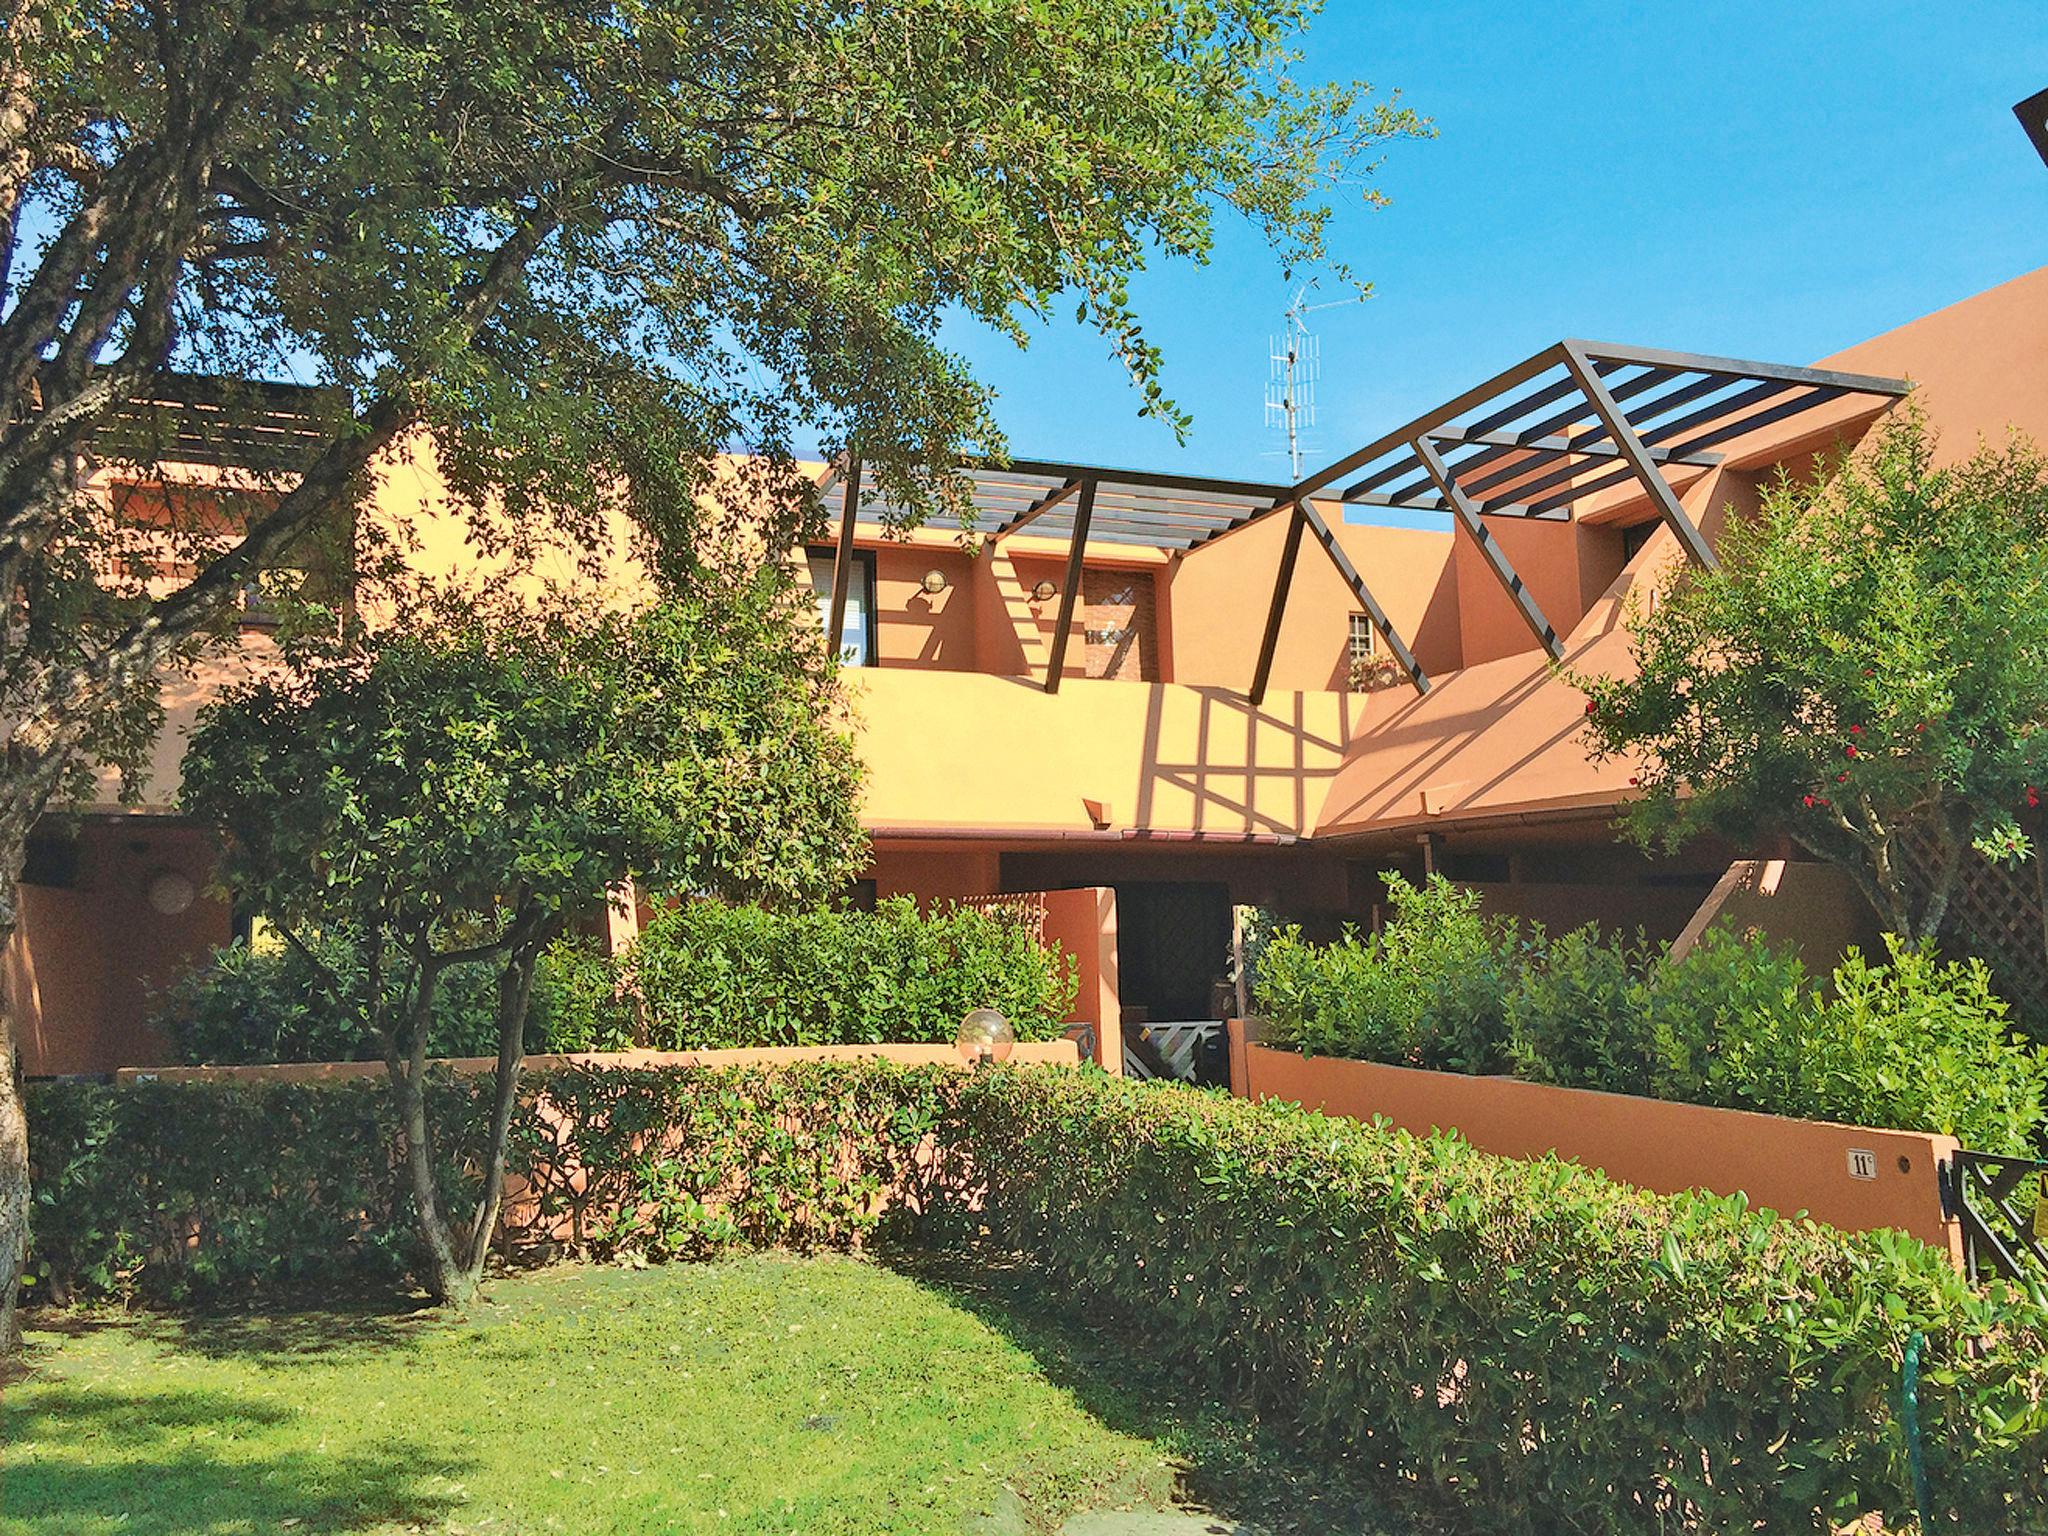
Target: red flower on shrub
[
  {"x": 1591, "y": 707},
  {"x": 2033, "y": 798},
  {"x": 1855, "y": 730},
  {"x": 1807, "y": 801},
  {"x": 1850, "y": 750},
  {"x": 1841, "y": 778}
]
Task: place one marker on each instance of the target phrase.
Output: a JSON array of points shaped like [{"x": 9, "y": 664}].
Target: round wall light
[
  {"x": 934, "y": 582},
  {"x": 171, "y": 892},
  {"x": 1044, "y": 592},
  {"x": 985, "y": 1038}
]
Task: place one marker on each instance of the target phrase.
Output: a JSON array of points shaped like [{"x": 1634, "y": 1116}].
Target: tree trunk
[
  {"x": 405, "y": 1062},
  {"x": 455, "y": 1267},
  {"x": 15, "y": 1203}
]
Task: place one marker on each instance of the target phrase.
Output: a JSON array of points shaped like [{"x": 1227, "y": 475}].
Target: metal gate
[
  {"x": 2002, "y": 1203},
  {"x": 1194, "y": 1051}
]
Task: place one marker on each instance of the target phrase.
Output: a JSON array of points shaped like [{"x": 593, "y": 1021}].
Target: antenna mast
[{"x": 1295, "y": 359}]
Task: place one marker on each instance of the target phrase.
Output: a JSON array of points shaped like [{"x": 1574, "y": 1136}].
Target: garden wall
[
  {"x": 1057, "y": 1053},
  {"x": 1780, "y": 1164}
]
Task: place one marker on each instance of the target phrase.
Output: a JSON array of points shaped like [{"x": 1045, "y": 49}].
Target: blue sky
[{"x": 1764, "y": 180}]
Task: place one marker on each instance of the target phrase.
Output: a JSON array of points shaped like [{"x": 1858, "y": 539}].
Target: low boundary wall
[
  {"x": 1053, "y": 1053},
  {"x": 1852, "y": 1177}
]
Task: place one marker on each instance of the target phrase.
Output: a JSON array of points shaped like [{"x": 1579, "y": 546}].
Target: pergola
[
  {"x": 1574, "y": 420},
  {"x": 1077, "y": 502}
]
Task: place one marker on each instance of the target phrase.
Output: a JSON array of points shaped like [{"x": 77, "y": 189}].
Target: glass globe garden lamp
[{"x": 985, "y": 1038}]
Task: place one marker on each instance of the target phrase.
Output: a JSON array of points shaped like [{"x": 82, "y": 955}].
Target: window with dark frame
[{"x": 857, "y": 647}]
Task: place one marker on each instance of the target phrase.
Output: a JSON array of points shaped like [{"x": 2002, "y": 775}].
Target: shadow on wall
[{"x": 1259, "y": 768}]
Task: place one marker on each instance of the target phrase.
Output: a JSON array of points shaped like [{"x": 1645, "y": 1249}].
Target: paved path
[{"x": 1154, "y": 1523}]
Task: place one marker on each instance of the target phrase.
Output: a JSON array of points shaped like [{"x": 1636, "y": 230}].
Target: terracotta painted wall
[
  {"x": 1221, "y": 592},
  {"x": 1782, "y": 1165},
  {"x": 86, "y": 961},
  {"x": 1563, "y": 566},
  {"x": 960, "y": 750},
  {"x": 1083, "y": 923},
  {"x": 1813, "y": 908}
]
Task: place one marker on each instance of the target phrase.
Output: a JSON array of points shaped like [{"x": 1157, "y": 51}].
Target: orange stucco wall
[
  {"x": 967, "y": 751},
  {"x": 84, "y": 965},
  {"x": 1783, "y": 1165},
  {"x": 1222, "y": 591},
  {"x": 1812, "y": 908},
  {"x": 1083, "y": 923}
]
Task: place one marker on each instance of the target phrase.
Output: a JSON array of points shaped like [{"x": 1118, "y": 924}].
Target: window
[
  {"x": 1635, "y": 536},
  {"x": 857, "y": 634},
  {"x": 1365, "y": 640}
]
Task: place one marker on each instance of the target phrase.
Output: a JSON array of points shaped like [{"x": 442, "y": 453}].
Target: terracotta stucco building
[{"x": 1175, "y": 743}]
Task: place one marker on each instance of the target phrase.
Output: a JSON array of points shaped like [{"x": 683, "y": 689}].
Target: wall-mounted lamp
[
  {"x": 171, "y": 892},
  {"x": 1044, "y": 592},
  {"x": 933, "y": 582}
]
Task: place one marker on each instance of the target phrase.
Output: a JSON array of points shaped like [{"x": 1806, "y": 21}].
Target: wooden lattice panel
[{"x": 1997, "y": 914}]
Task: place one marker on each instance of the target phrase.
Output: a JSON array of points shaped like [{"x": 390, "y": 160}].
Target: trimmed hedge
[
  {"x": 1915, "y": 1043},
  {"x": 1533, "y": 1346},
  {"x": 712, "y": 976},
  {"x": 182, "y": 1192},
  {"x": 260, "y": 1004},
  {"x": 1525, "y": 1346}
]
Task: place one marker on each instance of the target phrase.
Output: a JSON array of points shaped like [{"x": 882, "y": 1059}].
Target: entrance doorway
[{"x": 1173, "y": 946}]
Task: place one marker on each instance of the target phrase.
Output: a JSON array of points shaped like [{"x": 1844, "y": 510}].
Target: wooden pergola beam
[
  {"x": 1690, "y": 539},
  {"x": 1084, "y": 512},
  {"x": 1053, "y": 498},
  {"x": 1283, "y": 582},
  {"x": 1489, "y": 547},
  {"x": 842, "y": 556}
]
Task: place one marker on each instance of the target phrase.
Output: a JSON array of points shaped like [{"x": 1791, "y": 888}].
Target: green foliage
[
  {"x": 1574, "y": 1013},
  {"x": 1529, "y": 1346},
  {"x": 1524, "y": 1345},
  {"x": 268, "y": 1004},
  {"x": 1426, "y": 991},
  {"x": 1867, "y": 670},
  {"x": 478, "y": 761},
  {"x": 170, "y": 1192},
  {"x": 579, "y": 1000},
  {"x": 1918, "y": 1042},
  {"x": 711, "y": 975},
  {"x": 1913, "y": 1044},
  {"x": 176, "y": 1192},
  {"x": 592, "y": 247}
]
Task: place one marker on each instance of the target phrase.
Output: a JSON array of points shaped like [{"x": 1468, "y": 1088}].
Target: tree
[
  {"x": 1866, "y": 672},
  {"x": 454, "y": 792},
  {"x": 585, "y": 246}
]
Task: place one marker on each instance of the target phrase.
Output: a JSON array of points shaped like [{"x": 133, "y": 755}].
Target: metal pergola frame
[
  {"x": 1078, "y": 502},
  {"x": 1599, "y": 416}
]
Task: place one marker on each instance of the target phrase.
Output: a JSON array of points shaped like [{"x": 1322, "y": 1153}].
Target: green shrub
[
  {"x": 710, "y": 975},
  {"x": 1429, "y": 990},
  {"x": 1919, "y": 1043},
  {"x": 1525, "y": 1345},
  {"x": 1727, "y": 984},
  {"x": 1531, "y": 1347},
  {"x": 1575, "y": 1011},
  {"x": 222, "y": 1191},
  {"x": 264, "y": 1003},
  {"x": 1914, "y": 1044},
  {"x": 580, "y": 1001}
]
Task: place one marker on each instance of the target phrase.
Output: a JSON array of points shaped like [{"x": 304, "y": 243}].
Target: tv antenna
[{"x": 1295, "y": 361}]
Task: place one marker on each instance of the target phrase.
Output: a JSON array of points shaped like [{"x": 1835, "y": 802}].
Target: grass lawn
[{"x": 754, "y": 1395}]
